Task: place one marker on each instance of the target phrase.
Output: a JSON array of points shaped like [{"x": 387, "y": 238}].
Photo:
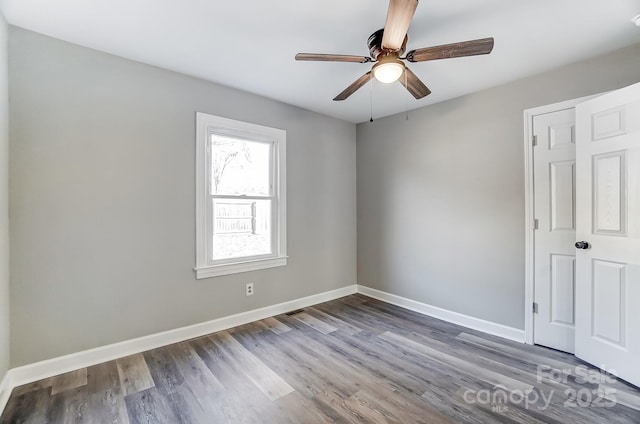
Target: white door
[
  {"x": 554, "y": 161},
  {"x": 608, "y": 205}
]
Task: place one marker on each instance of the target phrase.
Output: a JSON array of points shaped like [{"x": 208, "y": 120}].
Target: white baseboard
[
  {"x": 55, "y": 366},
  {"x": 446, "y": 315},
  {"x": 5, "y": 390}
]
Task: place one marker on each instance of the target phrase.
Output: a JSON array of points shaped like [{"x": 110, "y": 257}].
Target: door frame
[{"x": 529, "y": 206}]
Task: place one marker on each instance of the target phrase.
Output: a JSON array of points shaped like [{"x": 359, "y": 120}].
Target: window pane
[
  {"x": 241, "y": 228},
  {"x": 240, "y": 167}
]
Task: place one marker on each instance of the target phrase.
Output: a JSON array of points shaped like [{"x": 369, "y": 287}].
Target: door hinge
[
  {"x": 534, "y": 140},
  {"x": 535, "y": 224},
  {"x": 535, "y": 308}
]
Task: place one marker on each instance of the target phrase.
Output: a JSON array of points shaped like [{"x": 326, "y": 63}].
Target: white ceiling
[{"x": 251, "y": 44}]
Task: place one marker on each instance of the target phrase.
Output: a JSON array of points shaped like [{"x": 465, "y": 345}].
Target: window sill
[{"x": 234, "y": 268}]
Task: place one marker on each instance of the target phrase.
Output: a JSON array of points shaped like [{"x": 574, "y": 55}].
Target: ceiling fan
[{"x": 386, "y": 47}]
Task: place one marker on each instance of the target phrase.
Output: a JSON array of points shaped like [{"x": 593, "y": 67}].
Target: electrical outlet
[{"x": 249, "y": 289}]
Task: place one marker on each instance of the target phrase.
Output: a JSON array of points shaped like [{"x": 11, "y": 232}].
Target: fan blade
[
  {"x": 399, "y": 18},
  {"x": 447, "y": 51},
  {"x": 354, "y": 87},
  {"x": 413, "y": 84},
  {"x": 332, "y": 57}
]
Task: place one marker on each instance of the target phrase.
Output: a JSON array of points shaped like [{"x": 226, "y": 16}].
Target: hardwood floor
[{"x": 352, "y": 360}]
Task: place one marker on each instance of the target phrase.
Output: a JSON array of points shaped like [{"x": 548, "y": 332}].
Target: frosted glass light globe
[{"x": 388, "y": 69}]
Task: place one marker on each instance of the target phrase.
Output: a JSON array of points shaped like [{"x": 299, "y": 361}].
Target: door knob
[{"x": 582, "y": 245}]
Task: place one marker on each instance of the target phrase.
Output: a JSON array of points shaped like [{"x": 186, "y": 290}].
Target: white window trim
[{"x": 205, "y": 125}]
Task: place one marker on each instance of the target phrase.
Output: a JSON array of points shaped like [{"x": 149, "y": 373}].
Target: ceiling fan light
[{"x": 388, "y": 72}]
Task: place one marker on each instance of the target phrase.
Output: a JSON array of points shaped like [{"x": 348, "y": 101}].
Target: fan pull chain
[{"x": 371, "y": 97}]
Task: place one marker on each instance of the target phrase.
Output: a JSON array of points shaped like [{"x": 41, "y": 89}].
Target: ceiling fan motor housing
[{"x": 375, "y": 45}]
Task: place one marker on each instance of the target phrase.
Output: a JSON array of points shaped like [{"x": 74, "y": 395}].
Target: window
[{"x": 240, "y": 196}]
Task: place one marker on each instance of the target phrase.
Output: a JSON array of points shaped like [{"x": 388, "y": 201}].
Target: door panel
[
  {"x": 608, "y": 123},
  {"x": 608, "y": 305},
  {"x": 554, "y": 191},
  {"x": 609, "y": 193},
  {"x": 562, "y": 184},
  {"x": 561, "y": 135},
  {"x": 562, "y": 289},
  {"x": 608, "y": 205}
]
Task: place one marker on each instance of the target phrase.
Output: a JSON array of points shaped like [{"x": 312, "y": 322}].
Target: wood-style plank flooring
[{"x": 352, "y": 360}]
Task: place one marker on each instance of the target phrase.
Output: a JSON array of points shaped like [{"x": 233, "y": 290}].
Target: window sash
[
  {"x": 274, "y": 231},
  {"x": 210, "y": 230},
  {"x": 252, "y": 138}
]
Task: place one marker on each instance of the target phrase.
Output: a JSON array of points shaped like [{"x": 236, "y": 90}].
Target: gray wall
[
  {"x": 4, "y": 203},
  {"x": 102, "y": 200},
  {"x": 441, "y": 196}
]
